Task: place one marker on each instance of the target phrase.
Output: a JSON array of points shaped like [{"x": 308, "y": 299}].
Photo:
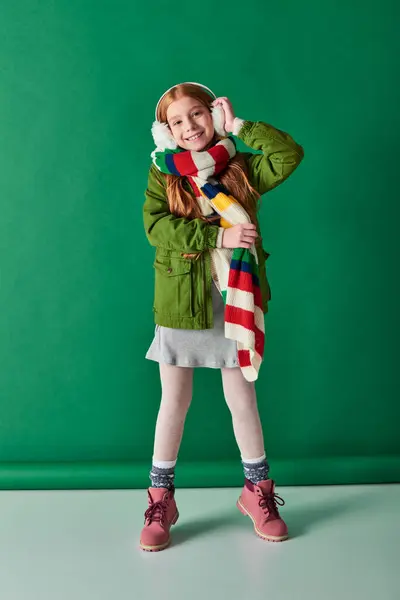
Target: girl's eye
[
  {"x": 176, "y": 123},
  {"x": 196, "y": 113}
]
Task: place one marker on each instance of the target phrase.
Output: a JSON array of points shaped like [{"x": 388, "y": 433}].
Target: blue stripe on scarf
[
  {"x": 239, "y": 265},
  {"x": 169, "y": 161},
  {"x": 211, "y": 191}
]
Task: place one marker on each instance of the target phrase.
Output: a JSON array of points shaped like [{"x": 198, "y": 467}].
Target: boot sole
[
  {"x": 263, "y": 536},
  {"x": 161, "y": 546}
]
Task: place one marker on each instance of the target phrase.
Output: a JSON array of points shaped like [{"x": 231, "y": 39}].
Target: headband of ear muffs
[{"x": 162, "y": 135}]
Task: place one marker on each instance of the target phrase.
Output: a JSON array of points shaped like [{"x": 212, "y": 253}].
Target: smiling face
[{"x": 190, "y": 123}]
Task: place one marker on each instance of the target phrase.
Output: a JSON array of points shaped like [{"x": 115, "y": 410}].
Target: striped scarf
[{"x": 235, "y": 272}]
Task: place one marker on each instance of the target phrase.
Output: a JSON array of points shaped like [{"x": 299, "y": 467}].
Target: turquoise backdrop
[{"x": 78, "y": 84}]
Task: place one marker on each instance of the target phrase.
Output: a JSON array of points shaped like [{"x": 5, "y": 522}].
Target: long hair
[{"x": 181, "y": 202}]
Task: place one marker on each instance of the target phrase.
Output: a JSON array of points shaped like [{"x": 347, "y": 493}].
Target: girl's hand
[
  {"x": 228, "y": 110},
  {"x": 239, "y": 236}
]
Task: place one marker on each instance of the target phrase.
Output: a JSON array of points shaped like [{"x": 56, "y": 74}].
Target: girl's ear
[
  {"x": 218, "y": 117},
  {"x": 162, "y": 136}
]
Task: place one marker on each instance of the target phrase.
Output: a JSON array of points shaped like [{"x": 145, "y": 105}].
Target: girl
[{"x": 211, "y": 289}]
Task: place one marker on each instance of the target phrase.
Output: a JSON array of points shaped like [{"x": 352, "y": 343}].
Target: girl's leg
[
  {"x": 240, "y": 396},
  {"x": 177, "y": 387},
  {"x": 162, "y": 512},
  {"x": 258, "y": 498}
]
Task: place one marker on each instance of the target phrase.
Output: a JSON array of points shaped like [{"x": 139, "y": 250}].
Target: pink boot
[
  {"x": 158, "y": 518},
  {"x": 259, "y": 502}
]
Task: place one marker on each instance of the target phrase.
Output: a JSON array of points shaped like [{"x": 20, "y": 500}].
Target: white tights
[{"x": 177, "y": 388}]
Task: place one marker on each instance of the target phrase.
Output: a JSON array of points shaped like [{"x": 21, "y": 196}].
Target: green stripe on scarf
[{"x": 244, "y": 255}]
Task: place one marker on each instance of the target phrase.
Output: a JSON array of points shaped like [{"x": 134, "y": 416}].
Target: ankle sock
[
  {"x": 255, "y": 469},
  {"x": 162, "y": 474}
]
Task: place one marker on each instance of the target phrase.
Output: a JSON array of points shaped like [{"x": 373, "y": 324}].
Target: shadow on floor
[
  {"x": 300, "y": 519},
  {"x": 304, "y": 518},
  {"x": 187, "y": 531}
]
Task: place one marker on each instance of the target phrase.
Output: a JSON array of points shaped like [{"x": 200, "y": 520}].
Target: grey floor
[{"x": 84, "y": 545}]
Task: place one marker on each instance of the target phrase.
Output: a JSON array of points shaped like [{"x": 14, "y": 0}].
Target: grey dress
[{"x": 196, "y": 348}]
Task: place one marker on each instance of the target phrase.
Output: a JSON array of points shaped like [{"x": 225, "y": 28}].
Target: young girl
[{"x": 211, "y": 289}]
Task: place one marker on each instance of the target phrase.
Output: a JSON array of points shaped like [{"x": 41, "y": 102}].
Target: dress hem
[{"x": 194, "y": 365}]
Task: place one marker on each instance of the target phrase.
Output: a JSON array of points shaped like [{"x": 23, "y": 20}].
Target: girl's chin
[{"x": 195, "y": 148}]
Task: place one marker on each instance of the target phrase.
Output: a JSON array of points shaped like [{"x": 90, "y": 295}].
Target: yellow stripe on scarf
[
  {"x": 224, "y": 223},
  {"x": 222, "y": 202}
]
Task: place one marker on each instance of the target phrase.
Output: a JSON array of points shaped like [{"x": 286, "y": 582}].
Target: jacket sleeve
[
  {"x": 280, "y": 155},
  {"x": 165, "y": 230}
]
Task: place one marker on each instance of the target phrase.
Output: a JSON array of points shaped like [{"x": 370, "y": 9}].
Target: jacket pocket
[{"x": 173, "y": 287}]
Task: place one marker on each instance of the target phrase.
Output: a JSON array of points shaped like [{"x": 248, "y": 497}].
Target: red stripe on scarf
[
  {"x": 185, "y": 164},
  {"x": 240, "y": 280},
  {"x": 244, "y": 358},
  {"x": 260, "y": 341},
  {"x": 239, "y": 316},
  {"x": 195, "y": 188},
  {"x": 258, "y": 298},
  {"x": 245, "y": 318},
  {"x": 221, "y": 156}
]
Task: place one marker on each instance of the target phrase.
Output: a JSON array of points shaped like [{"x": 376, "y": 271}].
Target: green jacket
[{"x": 182, "y": 297}]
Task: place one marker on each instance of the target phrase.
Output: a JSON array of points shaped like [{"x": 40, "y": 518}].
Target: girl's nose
[{"x": 189, "y": 125}]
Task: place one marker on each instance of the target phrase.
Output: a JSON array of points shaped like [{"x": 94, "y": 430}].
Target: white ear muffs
[
  {"x": 163, "y": 137},
  {"x": 218, "y": 117}
]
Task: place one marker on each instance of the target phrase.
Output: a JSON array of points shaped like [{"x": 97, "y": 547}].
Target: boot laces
[
  {"x": 156, "y": 511},
  {"x": 269, "y": 502}
]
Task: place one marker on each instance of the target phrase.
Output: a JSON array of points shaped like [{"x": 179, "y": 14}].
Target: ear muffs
[
  {"x": 218, "y": 117},
  {"x": 163, "y": 137}
]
